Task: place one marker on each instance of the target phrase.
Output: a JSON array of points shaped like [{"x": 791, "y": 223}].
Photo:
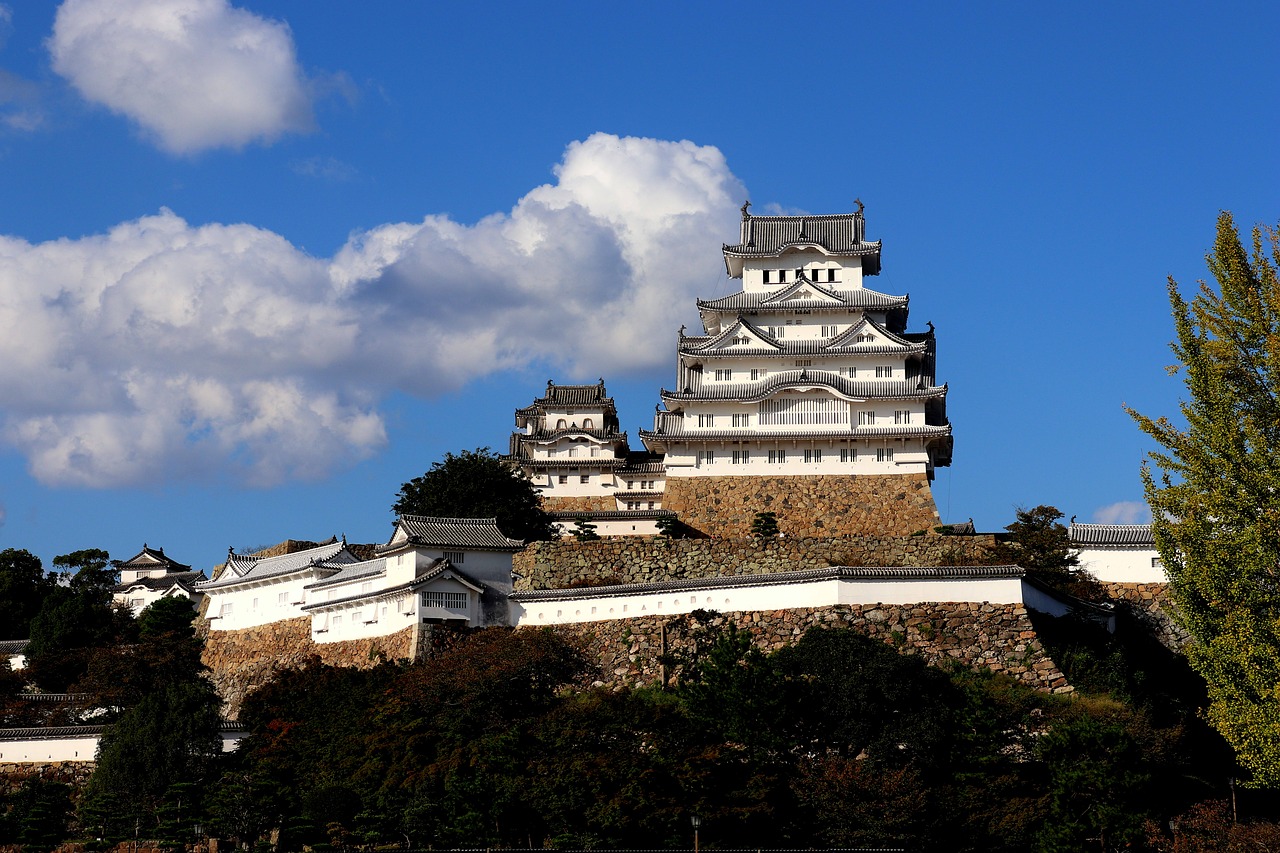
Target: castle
[{"x": 805, "y": 394}]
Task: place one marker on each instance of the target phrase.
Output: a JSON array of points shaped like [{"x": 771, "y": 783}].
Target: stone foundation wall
[
  {"x": 1154, "y": 607},
  {"x": 73, "y": 773},
  {"x": 581, "y": 503},
  {"x": 248, "y": 658},
  {"x": 996, "y": 637},
  {"x": 645, "y": 559},
  {"x": 820, "y": 505}
]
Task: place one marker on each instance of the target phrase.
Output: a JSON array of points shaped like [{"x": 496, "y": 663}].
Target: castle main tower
[{"x": 805, "y": 395}]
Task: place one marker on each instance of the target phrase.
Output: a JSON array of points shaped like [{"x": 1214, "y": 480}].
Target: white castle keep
[{"x": 805, "y": 392}]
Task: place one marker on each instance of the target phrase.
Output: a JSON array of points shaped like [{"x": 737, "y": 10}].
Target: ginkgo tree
[{"x": 1214, "y": 490}]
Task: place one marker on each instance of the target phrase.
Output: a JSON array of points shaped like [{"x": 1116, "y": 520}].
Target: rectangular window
[
  {"x": 651, "y": 504},
  {"x": 742, "y": 420},
  {"x": 1156, "y": 564},
  {"x": 357, "y": 617},
  {"x": 777, "y": 331},
  {"x": 336, "y": 622},
  {"x": 777, "y": 457},
  {"x": 759, "y": 373},
  {"x": 724, "y": 375},
  {"x": 629, "y": 484},
  {"x": 866, "y": 418},
  {"x": 135, "y": 602},
  {"x": 884, "y": 454},
  {"x": 884, "y": 372},
  {"x": 456, "y": 601},
  {"x": 830, "y": 331},
  {"x": 562, "y": 479},
  {"x": 255, "y": 604},
  {"x": 853, "y": 373},
  {"x": 902, "y": 417},
  {"x": 367, "y": 586},
  {"x": 741, "y": 457},
  {"x": 804, "y": 362},
  {"x": 454, "y": 557},
  {"x": 848, "y": 454},
  {"x": 813, "y": 456},
  {"x": 706, "y": 420},
  {"x": 706, "y": 457},
  {"x": 282, "y": 598},
  {"x": 790, "y": 411},
  {"x": 584, "y": 479},
  {"x": 766, "y": 276}
]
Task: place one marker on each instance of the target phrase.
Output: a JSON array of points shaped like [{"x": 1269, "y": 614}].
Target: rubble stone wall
[
  {"x": 1153, "y": 605},
  {"x": 645, "y": 559},
  {"x": 248, "y": 658},
  {"x": 818, "y": 505},
  {"x": 73, "y": 773},
  {"x": 579, "y": 503},
  {"x": 996, "y": 637}
]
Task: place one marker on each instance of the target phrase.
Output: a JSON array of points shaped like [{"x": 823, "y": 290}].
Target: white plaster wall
[
  {"x": 1123, "y": 564},
  {"x": 622, "y": 527},
  {"x": 375, "y": 617},
  {"x": 849, "y": 273},
  {"x": 258, "y": 604},
  {"x": 78, "y": 748},
  {"x": 765, "y": 597},
  {"x": 909, "y": 456}
]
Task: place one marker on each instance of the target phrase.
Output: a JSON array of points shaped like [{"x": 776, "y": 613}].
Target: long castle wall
[
  {"x": 636, "y": 559},
  {"x": 996, "y": 637},
  {"x": 243, "y": 660},
  {"x": 818, "y": 505},
  {"x": 1153, "y": 604}
]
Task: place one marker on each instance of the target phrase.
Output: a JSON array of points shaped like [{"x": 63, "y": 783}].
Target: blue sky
[{"x": 262, "y": 262}]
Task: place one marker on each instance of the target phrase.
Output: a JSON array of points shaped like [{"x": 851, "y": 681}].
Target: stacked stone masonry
[
  {"x": 243, "y": 660},
  {"x": 73, "y": 773},
  {"x": 1153, "y": 605},
  {"x": 995, "y": 637},
  {"x": 820, "y": 505},
  {"x": 635, "y": 559},
  {"x": 580, "y": 503}
]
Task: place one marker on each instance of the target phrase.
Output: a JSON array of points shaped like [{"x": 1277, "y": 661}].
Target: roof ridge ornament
[
  {"x": 746, "y": 210},
  {"x": 861, "y": 206}
]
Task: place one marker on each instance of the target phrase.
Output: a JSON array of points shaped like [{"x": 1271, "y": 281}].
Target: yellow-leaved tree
[{"x": 1214, "y": 490}]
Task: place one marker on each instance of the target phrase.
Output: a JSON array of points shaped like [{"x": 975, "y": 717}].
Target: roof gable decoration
[
  {"x": 464, "y": 534},
  {"x": 742, "y": 334},
  {"x": 803, "y": 290},
  {"x": 870, "y": 333}
]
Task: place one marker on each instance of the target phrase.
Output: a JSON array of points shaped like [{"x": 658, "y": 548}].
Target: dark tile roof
[
  {"x": 479, "y": 534},
  {"x": 185, "y": 579},
  {"x": 438, "y": 568},
  {"x": 633, "y": 494},
  {"x": 783, "y": 434},
  {"x": 151, "y": 559},
  {"x": 573, "y": 396},
  {"x": 841, "y": 234},
  {"x": 584, "y": 462},
  {"x": 751, "y": 392},
  {"x": 856, "y": 298},
  {"x": 936, "y": 573},
  {"x": 13, "y": 647},
  {"x": 352, "y": 571},
  {"x": 244, "y": 568},
  {"x": 768, "y": 346},
  {"x": 612, "y": 514},
  {"x": 1111, "y": 534}
]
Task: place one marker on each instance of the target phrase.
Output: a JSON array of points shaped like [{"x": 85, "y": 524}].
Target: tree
[
  {"x": 478, "y": 484},
  {"x": 75, "y": 617},
  {"x": 23, "y": 587},
  {"x": 171, "y": 614},
  {"x": 1214, "y": 490},
  {"x": 764, "y": 525},
  {"x": 584, "y": 530}
]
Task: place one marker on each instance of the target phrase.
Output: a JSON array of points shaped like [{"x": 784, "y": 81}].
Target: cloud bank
[
  {"x": 1123, "y": 512},
  {"x": 163, "y": 350},
  {"x": 194, "y": 74}
]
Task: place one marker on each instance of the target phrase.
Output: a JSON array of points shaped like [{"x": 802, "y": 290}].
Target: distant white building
[
  {"x": 568, "y": 443},
  {"x": 149, "y": 575},
  {"x": 1118, "y": 553},
  {"x": 432, "y": 570}
]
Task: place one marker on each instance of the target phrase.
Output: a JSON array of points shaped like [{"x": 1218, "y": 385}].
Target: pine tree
[{"x": 1214, "y": 490}]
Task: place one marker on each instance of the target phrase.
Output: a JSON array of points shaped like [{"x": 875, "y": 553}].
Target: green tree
[
  {"x": 1038, "y": 542},
  {"x": 168, "y": 615},
  {"x": 764, "y": 525},
  {"x": 23, "y": 587},
  {"x": 1214, "y": 490},
  {"x": 478, "y": 484},
  {"x": 75, "y": 617},
  {"x": 584, "y": 530}
]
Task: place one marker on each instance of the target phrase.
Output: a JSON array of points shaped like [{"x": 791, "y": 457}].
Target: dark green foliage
[
  {"x": 478, "y": 484},
  {"x": 671, "y": 527},
  {"x": 36, "y": 814},
  {"x": 1038, "y": 542},
  {"x": 23, "y": 587},
  {"x": 169, "y": 615},
  {"x": 584, "y": 530},
  {"x": 764, "y": 525}
]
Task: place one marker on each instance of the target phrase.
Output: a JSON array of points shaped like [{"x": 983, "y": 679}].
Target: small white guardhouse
[{"x": 149, "y": 575}]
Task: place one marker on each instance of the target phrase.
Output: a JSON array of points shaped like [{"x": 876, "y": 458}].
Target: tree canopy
[
  {"x": 23, "y": 587},
  {"x": 478, "y": 484},
  {"x": 1214, "y": 489}
]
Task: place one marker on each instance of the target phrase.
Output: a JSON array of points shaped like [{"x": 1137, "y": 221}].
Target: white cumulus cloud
[
  {"x": 1123, "y": 512},
  {"x": 164, "y": 350},
  {"x": 195, "y": 74}
]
